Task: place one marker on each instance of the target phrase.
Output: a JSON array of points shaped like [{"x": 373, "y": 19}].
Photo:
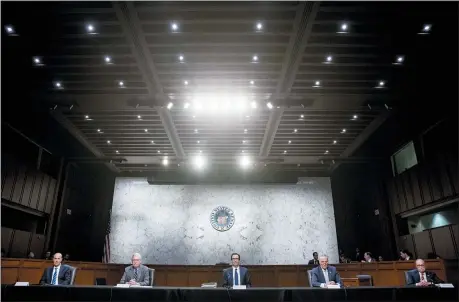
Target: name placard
[
  {"x": 123, "y": 285},
  {"x": 239, "y": 287},
  {"x": 21, "y": 284}
]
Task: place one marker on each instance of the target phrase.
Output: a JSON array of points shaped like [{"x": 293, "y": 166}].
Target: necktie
[
  {"x": 422, "y": 277},
  {"x": 53, "y": 281},
  {"x": 326, "y": 276},
  {"x": 236, "y": 277},
  {"x": 135, "y": 274}
]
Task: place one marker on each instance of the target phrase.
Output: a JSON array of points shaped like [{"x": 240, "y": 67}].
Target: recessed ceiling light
[
  {"x": 253, "y": 104},
  {"x": 285, "y": 151},
  {"x": 146, "y": 130},
  {"x": 198, "y": 142},
  {"x": 200, "y": 151},
  {"x": 259, "y": 26},
  {"x": 354, "y": 117},
  {"x": 158, "y": 151},
  {"x": 108, "y": 59},
  {"x": 152, "y": 142},
  {"x": 326, "y": 151},
  {"x": 174, "y": 26},
  {"x": 242, "y": 151},
  {"x": 109, "y": 142},
  {"x": 328, "y": 59},
  {"x": 245, "y": 130},
  {"x": 381, "y": 84},
  {"x": 243, "y": 142},
  {"x": 426, "y": 28},
  {"x": 169, "y": 106},
  {"x": 252, "y": 82},
  {"x": 165, "y": 161},
  {"x": 58, "y": 85},
  {"x": 181, "y": 58},
  {"x": 139, "y": 117},
  {"x": 117, "y": 152},
  {"x": 186, "y": 105},
  {"x": 289, "y": 142},
  {"x": 399, "y": 60},
  {"x": 270, "y": 106},
  {"x": 295, "y": 130},
  {"x": 98, "y": 130},
  {"x": 121, "y": 84},
  {"x": 195, "y": 130},
  {"x": 344, "y": 27},
  {"x": 9, "y": 29},
  {"x": 302, "y": 116},
  {"x": 90, "y": 28},
  {"x": 38, "y": 61},
  {"x": 247, "y": 116},
  {"x": 343, "y": 131},
  {"x": 86, "y": 116},
  {"x": 185, "y": 82},
  {"x": 335, "y": 141},
  {"x": 316, "y": 84},
  {"x": 255, "y": 58},
  {"x": 194, "y": 116}
]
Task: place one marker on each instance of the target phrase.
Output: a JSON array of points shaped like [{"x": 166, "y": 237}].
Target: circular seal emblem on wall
[{"x": 222, "y": 218}]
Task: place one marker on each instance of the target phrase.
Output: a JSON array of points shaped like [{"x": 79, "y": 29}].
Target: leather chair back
[
  {"x": 310, "y": 277},
  {"x": 73, "y": 274},
  {"x": 151, "y": 273}
]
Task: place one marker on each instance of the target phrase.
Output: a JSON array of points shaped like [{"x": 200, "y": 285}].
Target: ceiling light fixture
[
  {"x": 426, "y": 29},
  {"x": 170, "y": 105},
  {"x": 109, "y": 142},
  {"x": 58, "y": 85},
  {"x": 146, "y": 130},
  {"x": 316, "y": 84},
  {"x": 90, "y": 29},
  {"x": 252, "y": 82},
  {"x": 38, "y": 61},
  {"x": 354, "y": 117},
  {"x": 295, "y": 130},
  {"x": 198, "y": 142},
  {"x": 302, "y": 116},
  {"x": 270, "y": 106},
  {"x": 121, "y": 84},
  {"x": 343, "y": 28},
  {"x": 326, "y": 151},
  {"x": 10, "y": 30},
  {"x": 98, "y": 130},
  {"x": 289, "y": 142},
  {"x": 199, "y": 162},
  {"x": 343, "y": 131},
  {"x": 153, "y": 142},
  {"x": 245, "y": 161},
  {"x": 174, "y": 26},
  {"x": 139, "y": 117},
  {"x": 108, "y": 60},
  {"x": 328, "y": 59},
  {"x": 117, "y": 152},
  {"x": 399, "y": 60},
  {"x": 181, "y": 58},
  {"x": 158, "y": 151},
  {"x": 255, "y": 59},
  {"x": 195, "y": 130},
  {"x": 165, "y": 161},
  {"x": 186, "y": 105},
  {"x": 285, "y": 151},
  {"x": 259, "y": 26},
  {"x": 381, "y": 84},
  {"x": 334, "y": 142},
  {"x": 245, "y": 130},
  {"x": 253, "y": 104},
  {"x": 185, "y": 82}
]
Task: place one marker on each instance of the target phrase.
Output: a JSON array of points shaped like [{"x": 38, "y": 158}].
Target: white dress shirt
[
  {"x": 57, "y": 274},
  {"x": 421, "y": 276},
  {"x": 325, "y": 272},
  {"x": 238, "y": 275}
]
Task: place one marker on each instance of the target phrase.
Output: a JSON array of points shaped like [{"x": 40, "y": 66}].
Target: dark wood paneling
[
  {"x": 20, "y": 246},
  {"x": 28, "y": 188},
  {"x": 434, "y": 180},
  {"x": 50, "y": 195},
  {"x": 405, "y": 178},
  {"x": 443, "y": 242},
  {"x": 7, "y": 236},
  {"x": 414, "y": 180},
  {"x": 384, "y": 273},
  {"x": 401, "y": 193},
  {"x": 455, "y": 230},
  {"x": 37, "y": 245},
  {"x": 424, "y": 183},
  {"x": 43, "y": 193},
  {"x": 36, "y": 190},
  {"x": 7, "y": 190},
  {"x": 392, "y": 192},
  {"x": 19, "y": 184},
  {"x": 444, "y": 179},
  {"x": 423, "y": 244}
]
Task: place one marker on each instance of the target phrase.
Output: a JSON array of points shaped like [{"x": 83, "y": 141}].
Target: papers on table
[
  {"x": 333, "y": 286},
  {"x": 239, "y": 287}
]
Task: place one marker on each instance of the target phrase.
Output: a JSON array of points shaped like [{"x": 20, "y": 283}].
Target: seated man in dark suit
[
  {"x": 324, "y": 275},
  {"x": 420, "y": 277},
  {"x": 236, "y": 275},
  {"x": 136, "y": 274},
  {"x": 315, "y": 259},
  {"x": 57, "y": 274}
]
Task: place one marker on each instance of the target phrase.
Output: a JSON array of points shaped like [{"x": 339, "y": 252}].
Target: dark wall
[{"x": 429, "y": 94}]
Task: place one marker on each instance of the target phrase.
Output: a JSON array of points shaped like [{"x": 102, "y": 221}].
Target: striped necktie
[
  {"x": 53, "y": 281},
  {"x": 135, "y": 274}
]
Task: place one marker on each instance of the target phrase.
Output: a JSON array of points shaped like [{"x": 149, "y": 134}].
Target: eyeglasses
[
  {"x": 234, "y": 258},
  {"x": 135, "y": 259}
]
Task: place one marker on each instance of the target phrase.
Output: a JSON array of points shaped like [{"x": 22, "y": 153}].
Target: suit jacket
[
  {"x": 413, "y": 277},
  {"x": 143, "y": 276},
  {"x": 64, "y": 277},
  {"x": 317, "y": 276},
  {"x": 244, "y": 276},
  {"x": 312, "y": 262}
]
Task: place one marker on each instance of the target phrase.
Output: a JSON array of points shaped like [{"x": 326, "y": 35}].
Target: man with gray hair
[
  {"x": 324, "y": 274},
  {"x": 136, "y": 274}
]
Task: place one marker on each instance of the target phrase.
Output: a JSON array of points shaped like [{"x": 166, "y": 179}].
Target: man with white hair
[
  {"x": 420, "y": 277},
  {"x": 136, "y": 274},
  {"x": 324, "y": 274}
]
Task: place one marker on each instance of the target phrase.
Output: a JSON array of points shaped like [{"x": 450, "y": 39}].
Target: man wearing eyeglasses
[
  {"x": 236, "y": 275},
  {"x": 136, "y": 274},
  {"x": 420, "y": 277}
]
